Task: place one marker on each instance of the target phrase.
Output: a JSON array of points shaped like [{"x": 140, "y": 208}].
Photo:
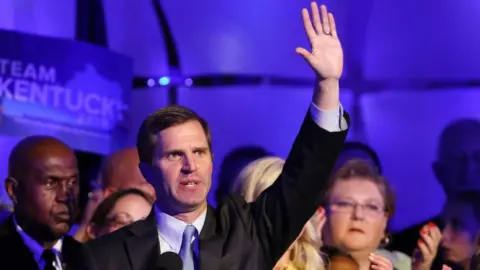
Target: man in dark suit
[
  {"x": 174, "y": 146},
  {"x": 475, "y": 261},
  {"x": 42, "y": 184},
  {"x": 457, "y": 169}
]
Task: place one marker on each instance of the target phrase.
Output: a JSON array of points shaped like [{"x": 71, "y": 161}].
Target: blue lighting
[
  {"x": 188, "y": 82},
  {"x": 164, "y": 80}
]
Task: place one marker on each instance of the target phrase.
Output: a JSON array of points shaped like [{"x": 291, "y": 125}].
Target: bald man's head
[
  {"x": 43, "y": 184},
  {"x": 27, "y": 151},
  {"x": 458, "y": 157},
  {"x": 121, "y": 172}
]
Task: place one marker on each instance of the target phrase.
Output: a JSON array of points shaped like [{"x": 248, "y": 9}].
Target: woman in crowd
[
  {"x": 359, "y": 203},
  {"x": 304, "y": 253},
  {"x": 117, "y": 210},
  {"x": 426, "y": 248},
  {"x": 461, "y": 217}
]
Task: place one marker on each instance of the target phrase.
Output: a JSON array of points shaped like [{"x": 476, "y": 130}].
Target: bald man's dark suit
[
  {"x": 15, "y": 255},
  {"x": 238, "y": 235}
]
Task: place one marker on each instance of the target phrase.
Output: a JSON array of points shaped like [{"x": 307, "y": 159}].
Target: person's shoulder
[
  {"x": 70, "y": 243},
  {"x": 234, "y": 211},
  {"x": 233, "y": 205},
  {"x": 109, "y": 240},
  {"x": 7, "y": 228}
]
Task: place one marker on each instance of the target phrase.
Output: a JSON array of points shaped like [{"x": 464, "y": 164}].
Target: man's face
[
  {"x": 48, "y": 189},
  {"x": 458, "y": 166},
  {"x": 182, "y": 173}
]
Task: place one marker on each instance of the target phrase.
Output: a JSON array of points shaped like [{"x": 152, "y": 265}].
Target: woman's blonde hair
[{"x": 257, "y": 176}]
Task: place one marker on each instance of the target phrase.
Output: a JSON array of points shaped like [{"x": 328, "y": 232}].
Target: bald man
[
  {"x": 121, "y": 172},
  {"x": 43, "y": 185},
  {"x": 457, "y": 169}
]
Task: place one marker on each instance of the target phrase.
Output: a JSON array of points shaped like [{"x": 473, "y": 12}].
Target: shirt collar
[
  {"x": 35, "y": 248},
  {"x": 171, "y": 229}
]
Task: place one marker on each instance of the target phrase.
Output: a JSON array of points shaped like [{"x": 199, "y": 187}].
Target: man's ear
[{"x": 11, "y": 187}]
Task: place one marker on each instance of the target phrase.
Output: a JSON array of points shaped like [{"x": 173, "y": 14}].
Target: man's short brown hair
[{"x": 162, "y": 119}]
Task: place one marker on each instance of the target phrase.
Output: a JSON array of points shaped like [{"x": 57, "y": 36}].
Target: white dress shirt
[
  {"x": 331, "y": 120},
  {"x": 36, "y": 249},
  {"x": 170, "y": 229}
]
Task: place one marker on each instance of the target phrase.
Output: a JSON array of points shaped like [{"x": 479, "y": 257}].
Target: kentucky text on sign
[{"x": 75, "y": 91}]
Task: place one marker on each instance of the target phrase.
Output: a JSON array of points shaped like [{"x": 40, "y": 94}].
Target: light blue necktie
[{"x": 186, "y": 251}]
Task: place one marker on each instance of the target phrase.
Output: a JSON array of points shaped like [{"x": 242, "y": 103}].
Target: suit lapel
[
  {"x": 12, "y": 247},
  {"x": 211, "y": 243},
  {"x": 142, "y": 245},
  {"x": 70, "y": 249}
]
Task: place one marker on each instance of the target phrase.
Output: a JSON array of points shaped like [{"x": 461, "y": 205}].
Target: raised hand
[
  {"x": 326, "y": 56},
  {"x": 378, "y": 262},
  {"x": 427, "y": 247}
]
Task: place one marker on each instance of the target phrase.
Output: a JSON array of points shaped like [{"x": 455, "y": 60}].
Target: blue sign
[{"x": 72, "y": 90}]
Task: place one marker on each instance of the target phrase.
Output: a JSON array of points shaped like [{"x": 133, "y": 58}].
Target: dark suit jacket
[
  {"x": 406, "y": 241},
  {"x": 14, "y": 254},
  {"x": 475, "y": 262},
  {"x": 238, "y": 235}
]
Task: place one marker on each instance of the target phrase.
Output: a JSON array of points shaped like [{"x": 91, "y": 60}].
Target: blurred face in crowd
[
  {"x": 121, "y": 172},
  {"x": 46, "y": 192},
  {"x": 128, "y": 209},
  {"x": 356, "y": 219},
  {"x": 458, "y": 165},
  {"x": 182, "y": 173},
  {"x": 461, "y": 226}
]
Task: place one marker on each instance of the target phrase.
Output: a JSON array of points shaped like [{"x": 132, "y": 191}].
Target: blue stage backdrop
[{"x": 72, "y": 90}]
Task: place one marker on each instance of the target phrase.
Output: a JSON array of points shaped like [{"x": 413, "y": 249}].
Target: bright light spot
[
  {"x": 164, "y": 80},
  {"x": 151, "y": 82}
]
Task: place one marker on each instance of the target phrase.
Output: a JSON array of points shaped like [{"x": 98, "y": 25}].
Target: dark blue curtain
[{"x": 90, "y": 24}]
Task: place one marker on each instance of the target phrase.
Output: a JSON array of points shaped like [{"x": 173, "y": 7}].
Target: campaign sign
[{"x": 72, "y": 90}]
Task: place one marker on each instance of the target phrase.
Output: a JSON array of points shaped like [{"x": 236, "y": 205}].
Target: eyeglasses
[{"x": 348, "y": 207}]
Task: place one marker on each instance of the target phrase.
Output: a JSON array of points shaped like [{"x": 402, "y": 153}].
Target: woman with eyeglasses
[{"x": 359, "y": 203}]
